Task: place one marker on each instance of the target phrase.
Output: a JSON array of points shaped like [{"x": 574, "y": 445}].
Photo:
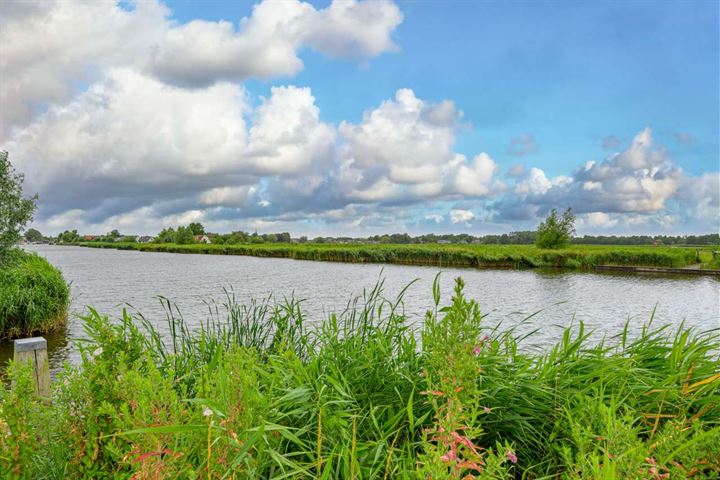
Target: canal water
[{"x": 108, "y": 280}]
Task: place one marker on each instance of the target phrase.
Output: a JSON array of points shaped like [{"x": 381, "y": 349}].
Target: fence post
[{"x": 34, "y": 350}]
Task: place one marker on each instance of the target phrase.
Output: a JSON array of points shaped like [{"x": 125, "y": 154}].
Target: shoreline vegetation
[
  {"x": 34, "y": 296},
  {"x": 577, "y": 257},
  {"x": 258, "y": 392}
]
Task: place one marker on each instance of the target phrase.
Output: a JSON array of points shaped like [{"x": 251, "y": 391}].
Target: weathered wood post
[{"x": 34, "y": 350}]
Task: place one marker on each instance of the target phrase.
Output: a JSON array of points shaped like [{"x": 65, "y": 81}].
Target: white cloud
[
  {"x": 599, "y": 220},
  {"x": 49, "y": 47},
  {"x": 535, "y": 183},
  {"x": 461, "y": 216},
  {"x": 405, "y": 149}
]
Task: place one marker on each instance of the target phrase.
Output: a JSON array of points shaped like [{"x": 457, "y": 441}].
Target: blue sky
[
  {"x": 539, "y": 88},
  {"x": 569, "y": 73}
]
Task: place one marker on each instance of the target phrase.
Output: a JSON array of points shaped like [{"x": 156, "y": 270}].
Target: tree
[
  {"x": 69, "y": 237},
  {"x": 166, "y": 235},
  {"x": 33, "y": 235},
  {"x": 15, "y": 210},
  {"x": 184, "y": 236},
  {"x": 556, "y": 231},
  {"x": 196, "y": 228}
]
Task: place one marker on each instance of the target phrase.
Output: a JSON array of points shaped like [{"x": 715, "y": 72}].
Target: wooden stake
[{"x": 34, "y": 350}]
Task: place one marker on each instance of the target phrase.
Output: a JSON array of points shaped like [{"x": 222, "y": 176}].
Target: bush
[
  {"x": 556, "y": 232},
  {"x": 255, "y": 394},
  {"x": 33, "y": 295}
]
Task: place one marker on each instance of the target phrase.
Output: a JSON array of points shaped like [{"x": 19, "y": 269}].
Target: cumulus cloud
[
  {"x": 638, "y": 182},
  {"x": 131, "y": 140},
  {"x": 49, "y": 47},
  {"x": 122, "y": 117},
  {"x": 405, "y": 149},
  {"x": 458, "y": 215}
]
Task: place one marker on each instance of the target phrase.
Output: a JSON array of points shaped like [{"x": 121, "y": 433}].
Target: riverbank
[
  {"x": 475, "y": 256},
  {"x": 34, "y": 297},
  {"x": 259, "y": 394}
]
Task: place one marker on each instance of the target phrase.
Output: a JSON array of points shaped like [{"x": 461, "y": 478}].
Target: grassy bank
[
  {"x": 33, "y": 295},
  {"x": 256, "y": 394},
  {"x": 479, "y": 256}
]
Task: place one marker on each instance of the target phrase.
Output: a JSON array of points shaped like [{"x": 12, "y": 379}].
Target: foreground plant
[{"x": 255, "y": 393}]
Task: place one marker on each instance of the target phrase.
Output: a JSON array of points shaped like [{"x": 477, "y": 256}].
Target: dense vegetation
[
  {"x": 33, "y": 295},
  {"x": 168, "y": 235},
  {"x": 503, "y": 256},
  {"x": 256, "y": 394}
]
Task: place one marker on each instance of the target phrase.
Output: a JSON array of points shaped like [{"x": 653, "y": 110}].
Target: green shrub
[
  {"x": 257, "y": 394},
  {"x": 33, "y": 295}
]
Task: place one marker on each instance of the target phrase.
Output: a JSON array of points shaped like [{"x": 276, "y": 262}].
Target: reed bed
[
  {"x": 33, "y": 295},
  {"x": 256, "y": 393},
  {"x": 477, "y": 256}
]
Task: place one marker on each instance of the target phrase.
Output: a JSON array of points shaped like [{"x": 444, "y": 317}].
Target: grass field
[
  {"x": 478, "y": 256},
  {"x": 33, "y": 295},
  {"x": 257, "y": 394}
]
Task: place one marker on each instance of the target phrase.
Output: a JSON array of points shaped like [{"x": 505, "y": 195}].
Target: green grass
[
  {"x": 33, "y": 295},
  {"x": 256, "y": 393},
  {"x": 477, "y": 256}
]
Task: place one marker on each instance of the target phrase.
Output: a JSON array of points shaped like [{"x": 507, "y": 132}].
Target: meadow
[
  {"x": 34, "y": 296},
  {"x": 459, "y": 255},
  {"x": 258, "y": 393}
]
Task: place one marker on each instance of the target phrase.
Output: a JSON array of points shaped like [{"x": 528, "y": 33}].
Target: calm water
[{"x": 107, "y": 279}]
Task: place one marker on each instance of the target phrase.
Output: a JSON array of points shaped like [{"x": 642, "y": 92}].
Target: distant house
[
  {"x": 88, "y": 238},
  {"x": 145, "y": 239},
  {"x": 444, "y": 242},
  {"x": 202, "y": 239}
]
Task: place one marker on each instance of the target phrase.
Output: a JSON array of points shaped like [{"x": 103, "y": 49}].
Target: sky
[{"x": 364, "y": 117}]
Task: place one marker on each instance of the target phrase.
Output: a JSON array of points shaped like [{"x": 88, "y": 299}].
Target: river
[{"x": 108, "y": 279}]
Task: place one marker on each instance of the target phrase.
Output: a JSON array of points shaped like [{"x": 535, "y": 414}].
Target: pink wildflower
[
  {"x": 486, "y": 410},
  {"x": 450, "y": 456},
  {"x": 511, "y": 456}
]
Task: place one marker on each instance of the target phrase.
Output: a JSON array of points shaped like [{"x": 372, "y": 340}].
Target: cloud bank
[{"x": 125, "y": 118}]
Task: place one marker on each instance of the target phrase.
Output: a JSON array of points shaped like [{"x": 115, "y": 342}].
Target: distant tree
[
  {"x": 556, "y": 231},
  {"x": 196, "y": 228},
  {"x": 166, "y": 235},
  {"x": 15, "y": 210},
  {"x": 69, "y": 236},
  {"x": 114, "y": 234},
  {"x": 184, "y": 236},
  {"x": 33, "y": 235}
]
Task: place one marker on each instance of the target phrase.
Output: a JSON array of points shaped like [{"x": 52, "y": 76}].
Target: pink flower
[
  {"x": 450, "y": 456},
  {"x": 511, "y": 456},
  {"x": 486, "y": 410},
  {"x": 477, "y": 350}
]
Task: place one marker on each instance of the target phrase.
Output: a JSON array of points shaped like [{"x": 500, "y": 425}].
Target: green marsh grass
[
  {"x": 33, "y": 295},
  {"x": 258, "y": 393},
  {"x": 477, "y": 256}
]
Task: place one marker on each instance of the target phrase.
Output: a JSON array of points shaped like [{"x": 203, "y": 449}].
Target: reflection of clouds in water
[{"x": 106, "y": 278}]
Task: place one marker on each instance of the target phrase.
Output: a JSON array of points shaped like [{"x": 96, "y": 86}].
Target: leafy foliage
[
  {"x": 256, "y": 393},
  {"x": 33, "y": 235},
  {"x": 555, "y": 231},
  {"x": 15, "y": 210}
]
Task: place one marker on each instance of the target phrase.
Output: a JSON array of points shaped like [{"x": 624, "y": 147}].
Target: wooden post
[{"x": 34, "y": 350}]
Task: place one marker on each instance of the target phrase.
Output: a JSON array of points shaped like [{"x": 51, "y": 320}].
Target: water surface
[{"x": 108, "y": 279}]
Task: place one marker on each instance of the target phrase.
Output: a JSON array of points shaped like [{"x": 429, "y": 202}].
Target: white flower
[{"x": 207, "y": 412}]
